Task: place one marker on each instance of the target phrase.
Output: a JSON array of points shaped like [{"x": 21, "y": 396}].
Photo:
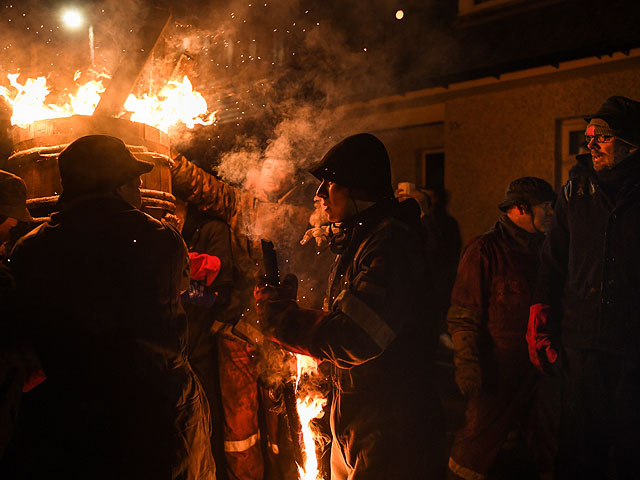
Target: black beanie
[{"x": 622, "y": 116}]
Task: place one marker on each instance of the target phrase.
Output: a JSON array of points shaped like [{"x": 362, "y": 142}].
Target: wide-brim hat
[
  {"x": 98, "y": 163},
  {"x": 13, "y": 197}
]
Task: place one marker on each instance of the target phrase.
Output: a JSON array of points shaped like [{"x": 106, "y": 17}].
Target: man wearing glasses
[{"x": 585, "y": 317}]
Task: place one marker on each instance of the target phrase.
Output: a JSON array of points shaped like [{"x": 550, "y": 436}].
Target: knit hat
[
  {"x": 13, "y": 197},
  {"x": 527, "y": 191},
  {"x": 618, "y": 116},
  {"x": 98, "y": 164},
  {"x": 361, "y": 163}
]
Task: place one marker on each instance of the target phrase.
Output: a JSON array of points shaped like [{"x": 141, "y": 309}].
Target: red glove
[
  {"x": 204, "y": 267},
  {"x": 33, "y": 379},
  {"x": 539, "y": 338}
]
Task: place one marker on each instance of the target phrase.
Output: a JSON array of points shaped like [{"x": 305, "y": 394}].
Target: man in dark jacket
[
  {"x": 99, "y": 296},
  {"x": 385, "y": 413},
  {"x": 488, "y": 321},
  {"x": 585, "y": 315}
]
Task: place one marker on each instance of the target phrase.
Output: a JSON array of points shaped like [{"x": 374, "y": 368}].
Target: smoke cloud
[{"x": 274, "y": 72}]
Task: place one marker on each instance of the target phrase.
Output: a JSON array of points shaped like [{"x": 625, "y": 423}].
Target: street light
[{"x": 73, "y": 19}]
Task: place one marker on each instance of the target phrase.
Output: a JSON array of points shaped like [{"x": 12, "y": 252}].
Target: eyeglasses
[{"x": 599, "y": 138}]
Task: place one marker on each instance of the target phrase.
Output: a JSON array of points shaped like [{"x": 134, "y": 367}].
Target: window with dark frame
[
  {"x": 433, "y": 170},
  {"x": 572, "y": 143}
]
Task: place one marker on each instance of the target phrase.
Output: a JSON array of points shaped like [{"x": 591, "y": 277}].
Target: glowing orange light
[
  {"x": 176, "y": 103},
  {"x": 309, "y": 408},
  {"x": 29, "y": 100},
  {"x": 34, "y": 100},
  {"x": 400, "y": 14}
]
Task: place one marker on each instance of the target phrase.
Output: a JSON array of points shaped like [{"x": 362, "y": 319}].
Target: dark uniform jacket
[
  {"x": 590, "y": 272},
  {"x": 98, "y": 288},
  {"x": 493, "y": 289},
  {"x": 376, "y": 335}
]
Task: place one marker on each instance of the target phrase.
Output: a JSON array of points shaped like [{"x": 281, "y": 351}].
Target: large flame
[
  {"x": 309, "y": 408},
  {"x": 29, "y": 99},
  {"x": 176, "y": 103}
]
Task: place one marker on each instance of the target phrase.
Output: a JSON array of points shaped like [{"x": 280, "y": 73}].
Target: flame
[
  {"x": 177, "y": 102},
  {"x": 29, "y": 100},
  {"x": 309, "y": 408}
]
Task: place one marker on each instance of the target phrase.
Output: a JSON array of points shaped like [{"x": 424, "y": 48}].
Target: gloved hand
[
  {"x": 286, "y": 323},
  {"x": 542, "y": 352},
  {"x": 270, "y": 300},
  {"x": 287, "y": 290},
  {"x": 468, "y": 374}
]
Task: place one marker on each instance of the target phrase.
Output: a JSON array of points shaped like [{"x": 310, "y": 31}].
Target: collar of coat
[
  {"x": 615, "y": 183},
  {"x": 517, "y": 238},
  {"x": 92, "y": 206},
  {"x": 352, "y": 230}
]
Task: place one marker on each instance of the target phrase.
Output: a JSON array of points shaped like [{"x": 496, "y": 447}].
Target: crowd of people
[{"x": 131, "y": 347}]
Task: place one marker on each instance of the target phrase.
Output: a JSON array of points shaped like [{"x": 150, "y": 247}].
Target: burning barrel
[{"x": 38, "y": 145}]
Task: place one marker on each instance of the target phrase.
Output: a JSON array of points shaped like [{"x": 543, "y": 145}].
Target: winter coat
[
  {"x": 376, "y": 336},
  {"x": 590, "y": 272},
  {"x": 492, "y": 292},
  {"x": 98, "y": 290}
]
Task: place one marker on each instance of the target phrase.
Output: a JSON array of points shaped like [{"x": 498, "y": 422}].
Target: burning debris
[
  {"x": 31, "y": 101},
  {"x": 176, "y": 103},
  {"x": 310, "y": 406}
]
